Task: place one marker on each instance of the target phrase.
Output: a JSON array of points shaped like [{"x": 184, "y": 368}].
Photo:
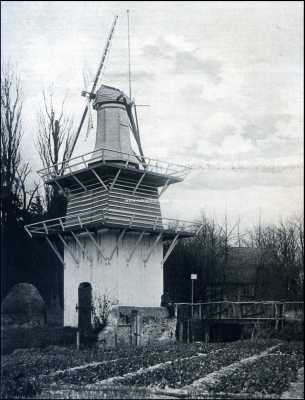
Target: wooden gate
[{"x": 135, "y": 328}]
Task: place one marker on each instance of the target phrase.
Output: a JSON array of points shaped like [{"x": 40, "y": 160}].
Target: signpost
[{"x": 193, "y": 278}]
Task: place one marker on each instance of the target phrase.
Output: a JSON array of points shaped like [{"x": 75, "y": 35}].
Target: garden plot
[
  {"x": 182, "y": 371},
  {"x": 269, "y": 374},
  {"x": 105, "y": 370},
  {"x": 244, "y": 369}
]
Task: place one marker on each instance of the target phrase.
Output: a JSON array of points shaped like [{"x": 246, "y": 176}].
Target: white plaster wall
[{"x": 135, "y": 284}]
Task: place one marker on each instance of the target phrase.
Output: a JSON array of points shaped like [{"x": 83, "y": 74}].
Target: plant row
[
  {"x": 183, "y": 372},
  {"x": 270, "y": 374}
]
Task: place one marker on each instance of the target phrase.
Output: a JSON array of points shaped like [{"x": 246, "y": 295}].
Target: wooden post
[
  {"x": 188, "y": 331},
  {"x": 207, "y": 333},
  {"x": 77, "y": 340},
  {"x": 180, "y": 331},
  {"x": 276, "y": 317}
]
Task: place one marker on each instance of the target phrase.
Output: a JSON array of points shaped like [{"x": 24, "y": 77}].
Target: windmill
[{"x": 113, "y": 230}]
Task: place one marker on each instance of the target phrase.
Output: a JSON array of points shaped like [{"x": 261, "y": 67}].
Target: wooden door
[{"x": 84, "y": 308}]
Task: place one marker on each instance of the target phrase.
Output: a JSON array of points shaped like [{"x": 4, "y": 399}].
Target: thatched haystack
[{"x": 23, "y": 307}]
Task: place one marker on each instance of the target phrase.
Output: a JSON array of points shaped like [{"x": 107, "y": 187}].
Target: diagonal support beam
[
  {"x": 78, "y": 242},
  {"x": 68, "y": 248},
  {"x": 139, "y": 183},
  {"x": 153, "y": 247},
  {"x": 171, "y": 248},
  {"x": 120, "y": 238},
  {"x": 57, "y": 253},
  {"x": 80, "y": 245},
  {"x": 78, "y": 181},
  {"x": 61, "y": 224},
  {"x": 80, "y": 221},
  {"x": 135, "y": 247},
  {"x": 45, "y": 228},
  {"x": 28, "y": 232},
  {"x": 164, "y": 187},
  {"x": 115, "y": 179},
  {"x": 96, "y": 245},
  {"x": 199, "y": 230},
  {"x": 99, "y": 178}
]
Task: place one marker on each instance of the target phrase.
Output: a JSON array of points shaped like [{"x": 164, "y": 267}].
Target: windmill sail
[{"x": 92, "y": 92}]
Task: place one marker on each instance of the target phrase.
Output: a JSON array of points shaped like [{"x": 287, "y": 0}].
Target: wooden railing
[
  {"x": 241, "y": 310},
  {"x": 149, "y": 165},
  {"x": 112, "y": 219}
]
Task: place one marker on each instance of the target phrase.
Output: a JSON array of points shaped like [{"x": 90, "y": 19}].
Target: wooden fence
[{"x": 241, "y": 310}]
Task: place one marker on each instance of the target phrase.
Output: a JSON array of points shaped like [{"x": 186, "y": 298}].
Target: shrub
[
  {"x": 100, "y": 312},
  {"x": 19, "y": 385}
]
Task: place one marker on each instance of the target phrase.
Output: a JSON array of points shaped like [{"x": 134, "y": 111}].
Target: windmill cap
[{"x": 109, "y": 94}]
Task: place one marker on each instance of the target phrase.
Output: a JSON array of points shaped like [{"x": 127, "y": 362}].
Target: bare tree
[
  {"x": 281, "y": 257},
  {"x": 53, "y": 143},
  {"x": 14, "y": 172}
]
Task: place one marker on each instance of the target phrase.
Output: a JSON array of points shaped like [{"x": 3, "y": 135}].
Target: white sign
[{"x": 193, "y": 276}]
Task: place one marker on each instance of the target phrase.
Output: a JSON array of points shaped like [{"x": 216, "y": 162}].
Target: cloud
[
  {"x": 157, "y": 52},
  {"x": 137, "y": 75},
  {"x": 181, "y": 58},
  {"x": 265, "y": 126},
  {"x": 188, "y": 62},
  {"x": 234, "y": 179}
]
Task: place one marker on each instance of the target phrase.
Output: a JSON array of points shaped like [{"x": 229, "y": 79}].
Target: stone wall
[{"x": 138, "y": 326}]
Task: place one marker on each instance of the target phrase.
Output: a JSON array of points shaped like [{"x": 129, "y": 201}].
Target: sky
[{"x": 223, "y": 81}]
